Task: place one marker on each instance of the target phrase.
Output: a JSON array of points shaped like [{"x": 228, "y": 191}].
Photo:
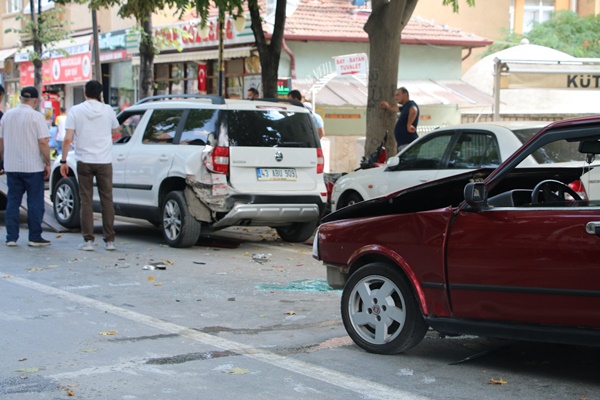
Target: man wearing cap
[{"x": 25, "y": 152}]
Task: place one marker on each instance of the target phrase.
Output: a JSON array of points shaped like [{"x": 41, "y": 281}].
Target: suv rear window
[{"x": 270, "y": 128}]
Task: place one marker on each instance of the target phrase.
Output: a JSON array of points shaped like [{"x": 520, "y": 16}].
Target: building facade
[{"x": 316, "y": 33}]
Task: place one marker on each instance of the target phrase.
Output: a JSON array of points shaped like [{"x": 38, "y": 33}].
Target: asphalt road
[{"x": 218, "y": 324}]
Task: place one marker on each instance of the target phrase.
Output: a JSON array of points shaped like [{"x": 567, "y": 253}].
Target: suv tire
[
  {"x": 66, "y": 203},
  {"x": 297, "y": 232},
  {"x": 179, "y": 227}
]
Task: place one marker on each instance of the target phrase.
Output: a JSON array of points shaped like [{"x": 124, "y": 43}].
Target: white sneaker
[
  {"x": 87, "y": 246},
  {"x": 110, "y": 246}
]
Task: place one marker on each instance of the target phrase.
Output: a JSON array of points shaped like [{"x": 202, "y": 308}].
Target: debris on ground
[{"x": 261, "y": 257}]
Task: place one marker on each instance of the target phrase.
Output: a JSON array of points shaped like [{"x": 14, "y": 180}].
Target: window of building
[
  {"x": 176, "y": 78},
  {"x": 13, "y": 6},
  {"x": 536, "y": 11}
]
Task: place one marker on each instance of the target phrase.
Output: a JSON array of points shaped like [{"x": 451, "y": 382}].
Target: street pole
[
  {"x": 497, "y": 83},
  {"x": 221, "y": 61}
]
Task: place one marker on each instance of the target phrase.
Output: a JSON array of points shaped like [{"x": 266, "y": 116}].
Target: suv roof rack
[
  {"x": 213, "y": 98},
  {"x": 278, "y": 100}
]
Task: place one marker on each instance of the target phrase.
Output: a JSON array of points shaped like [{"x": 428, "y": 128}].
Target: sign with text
[
  {"x": 351, "y": 64},
  {"x": 186, "y": 35},
  {"x": 73, "y": 69},
  {"x": 556, "y": 80}
]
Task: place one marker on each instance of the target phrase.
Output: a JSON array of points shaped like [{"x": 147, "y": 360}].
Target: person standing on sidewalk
[
  {"x": 25, "y": 153},
  {"x": 60, "y": 121},
  {"x": 90, "y": 125},
  {"x": 2, "y": 92},
  {"x": 405, "y": 130}
]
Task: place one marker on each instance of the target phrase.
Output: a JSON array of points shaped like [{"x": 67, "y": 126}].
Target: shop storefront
[
  {"x": 188, "y": 63},
  {"x": 116, "y": 49},
  {"x": 9, "y": 78},
  {"x": 63, "y": 77}
]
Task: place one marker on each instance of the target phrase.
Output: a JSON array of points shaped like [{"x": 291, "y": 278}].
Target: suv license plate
[{"x": 276, "y": 174}]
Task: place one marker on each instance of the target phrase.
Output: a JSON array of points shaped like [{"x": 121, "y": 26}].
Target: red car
[{"x": 509, "y": 253}]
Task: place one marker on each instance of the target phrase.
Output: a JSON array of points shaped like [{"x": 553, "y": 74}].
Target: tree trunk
[
  {"x": 384, "y": 27},
  {"x": 269, "y": 53},
  {"x": 37, "y": 48},
  {"x": 146, "y": 79}
]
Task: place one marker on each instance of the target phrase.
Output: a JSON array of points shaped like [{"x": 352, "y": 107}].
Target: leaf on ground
[
  {"x": 59, "y": 236},
  {"x": 151, "y": 279},
  {"x": 28, "y": 370},
  {"x": 497, "y": 381},
  {"x": 168, "y": 262},
  {"x": 158, "y": 284},
  {"x": 88, "y": 350},
  {"x": 6, "y": 276},
  {"x": 291, "y": 313},
  {"x": 237, "y": 371},
  {"x": 108, "y": 333}
]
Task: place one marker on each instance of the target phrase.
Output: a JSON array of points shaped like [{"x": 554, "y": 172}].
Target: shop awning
[
  {"x": 4, "y": 54},
  {"x": 351, "y": 92},
  {"x": 237, "y": 52},
  {"x": 73, "y": 46}
]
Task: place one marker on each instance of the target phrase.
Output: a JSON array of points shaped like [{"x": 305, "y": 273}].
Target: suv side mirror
[
  {"x": 475, "y": 195},
  {"x": 393, "y": 161}
]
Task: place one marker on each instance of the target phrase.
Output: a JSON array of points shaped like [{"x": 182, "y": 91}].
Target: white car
[
  {"x": 444, "y": 152},
  {"x": 200, "y": 163}
]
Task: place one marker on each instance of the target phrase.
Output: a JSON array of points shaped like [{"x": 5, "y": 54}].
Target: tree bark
[
  {"x": 269, "y": 53},
  {"x": 37, "y": 49},
  {"x": 384, "y": 27},
  {"x": 146, "y": 79}
]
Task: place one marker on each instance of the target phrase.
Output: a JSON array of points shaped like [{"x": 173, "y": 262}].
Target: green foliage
[
  {"x": 454, "y": 4},
  {"x": 49, "y": 29},
  {"x": 569, "y": 33},
  {"x": 141, "y": 9},
  {"x": 565, "y": 31}
]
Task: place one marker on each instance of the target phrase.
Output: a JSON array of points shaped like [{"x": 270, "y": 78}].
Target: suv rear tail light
[
  {"x": 320, "y": 161},
  {"x": 579, "y": 188},
  {"x": 218, "y": 160}
]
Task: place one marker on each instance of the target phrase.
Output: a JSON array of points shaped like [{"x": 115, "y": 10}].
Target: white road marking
[{"x": 339, "y": 379}]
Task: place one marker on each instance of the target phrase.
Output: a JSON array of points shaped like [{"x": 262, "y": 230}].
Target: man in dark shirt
[
  {"x": 2, "y": 91},
  {"x": 406, "y": 126}
]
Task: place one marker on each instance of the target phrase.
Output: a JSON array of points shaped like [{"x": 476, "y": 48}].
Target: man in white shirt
[
  {"x": 25, "y": 152},
  {"x": 91, "y": 125}
]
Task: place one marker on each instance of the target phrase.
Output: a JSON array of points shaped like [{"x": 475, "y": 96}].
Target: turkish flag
[{"x": 202, "y": 77}]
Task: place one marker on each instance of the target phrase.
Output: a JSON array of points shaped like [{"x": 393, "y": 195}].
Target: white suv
[{"x": 193, "y": 163}]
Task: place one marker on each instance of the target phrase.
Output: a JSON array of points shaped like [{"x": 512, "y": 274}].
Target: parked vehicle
[
  {"x": 375, "y": 159},
  {"x": 510, "y": 252},
  {"x": 444, "y": 152},
  {"x": 200, "y": 163}
]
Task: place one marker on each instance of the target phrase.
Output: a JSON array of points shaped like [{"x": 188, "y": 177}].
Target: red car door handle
[{"x": 593, "y": 228}]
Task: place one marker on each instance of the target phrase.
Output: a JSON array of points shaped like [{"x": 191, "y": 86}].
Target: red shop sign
[{"x": 72, "y": 69}]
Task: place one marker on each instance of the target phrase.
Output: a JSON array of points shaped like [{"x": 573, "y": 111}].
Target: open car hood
[
  {"x": 449, "y": 192},
  {"x": 427, "y": 196}
]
